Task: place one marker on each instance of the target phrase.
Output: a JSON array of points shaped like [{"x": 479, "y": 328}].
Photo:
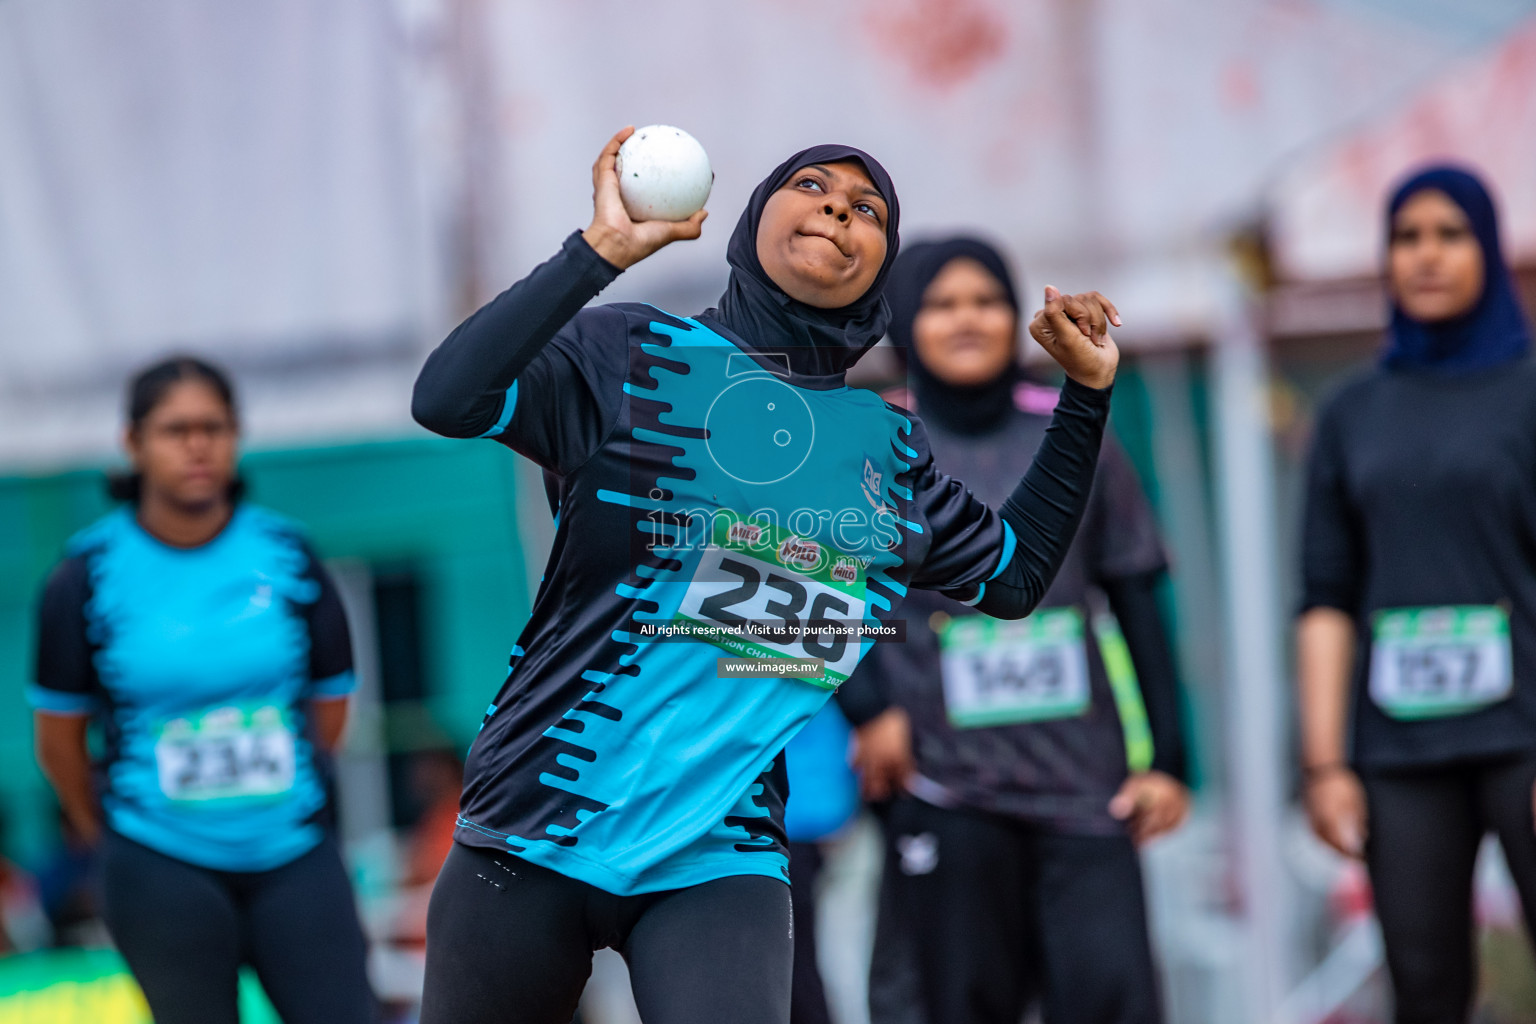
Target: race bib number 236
[{"x": 765, "y": 592}]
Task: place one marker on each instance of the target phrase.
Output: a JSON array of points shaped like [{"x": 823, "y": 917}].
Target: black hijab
[
  {"x": 966, "y": 410},
  {"x": 817, "y": 342}
]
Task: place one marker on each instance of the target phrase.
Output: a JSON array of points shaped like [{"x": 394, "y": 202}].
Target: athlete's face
[
  {"x": 186, "y": 447},
  {"x": 821, "y": 237},
  {"x": 965, "y": 333},
  {"x": 1434, "y": 264}
]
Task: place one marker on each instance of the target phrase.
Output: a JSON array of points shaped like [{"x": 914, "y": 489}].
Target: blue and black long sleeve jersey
[{"x": 703, "y": 483}]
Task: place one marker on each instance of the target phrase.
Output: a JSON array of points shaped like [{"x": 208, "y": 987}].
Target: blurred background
[{"x": 312, "y": 194}]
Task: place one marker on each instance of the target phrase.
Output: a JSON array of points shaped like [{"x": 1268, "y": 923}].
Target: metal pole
[
  {"x": 1246, "y": 510},
  {"x": 362, "y": 770}
]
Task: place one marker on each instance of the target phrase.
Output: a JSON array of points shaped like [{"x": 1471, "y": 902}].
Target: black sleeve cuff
[
  {"x": 1323, "y": 596},
  {"x": 1172, "y": 765},
  {"x": 594, "y": 268},
  {"x": 1090, "y": 396},
  {"x": 860, "y": 700}
]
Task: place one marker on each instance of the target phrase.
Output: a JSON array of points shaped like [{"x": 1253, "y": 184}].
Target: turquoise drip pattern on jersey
[{"x": 658, "y": 775}]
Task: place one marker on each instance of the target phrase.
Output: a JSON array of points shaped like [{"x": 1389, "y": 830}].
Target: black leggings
[
  {"x": 996, "y": 913},
  {"x": 808, "y": 998},
  {"x": 185, "y": 930},
  {"x": 508, "y": 941},
  {"x": 1424, "y": 830}
]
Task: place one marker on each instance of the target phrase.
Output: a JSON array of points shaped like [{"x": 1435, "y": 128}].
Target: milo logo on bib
[
  {"x": 847, "y": 570},
  {"x": 764, "y": 592},
  {"x": 1434, "y": 662},
  {"x": 799, "y": 553},
  {"x": 742, "y": 532}
]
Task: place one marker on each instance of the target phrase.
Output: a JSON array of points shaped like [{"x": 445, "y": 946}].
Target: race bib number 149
[
  {"x": 1003, "y": 672},
  {"x": 1435, "y": 662}
]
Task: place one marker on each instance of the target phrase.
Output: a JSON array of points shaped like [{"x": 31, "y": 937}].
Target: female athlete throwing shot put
[{"x": 713, "y": 473}]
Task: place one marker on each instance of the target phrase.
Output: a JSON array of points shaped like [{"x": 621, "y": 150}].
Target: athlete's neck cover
[
  {"x": 817, "y": 342},
  {"x": 1494, "y": 331},
  {"x": 981, "y": 408}
]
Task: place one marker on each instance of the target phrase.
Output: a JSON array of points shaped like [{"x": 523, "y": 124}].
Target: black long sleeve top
[
  {"x": 1421, "y": 495},
  {"x": 1058, "y": 768}
]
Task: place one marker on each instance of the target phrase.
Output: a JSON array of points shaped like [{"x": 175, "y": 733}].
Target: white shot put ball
[{"x": 663, "y": 174}]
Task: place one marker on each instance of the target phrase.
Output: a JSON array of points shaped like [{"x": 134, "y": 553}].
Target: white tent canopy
[
  {"x": 236, "y": 180},
  {"x": 1327, "y": 210},
  {"x": 1108, "y": 144},
  {"x": 308, "y": 191}
]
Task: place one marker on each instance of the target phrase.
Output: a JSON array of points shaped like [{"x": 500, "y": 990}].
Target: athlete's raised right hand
[
  {"x": 1074, "y": 329},
  {"x": 617, "y": 239}
]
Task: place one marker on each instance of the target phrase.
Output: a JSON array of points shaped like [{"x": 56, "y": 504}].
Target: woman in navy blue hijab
[
  {"x": 1418, "y": 618},
  {"x": 1435, "y": 271}
]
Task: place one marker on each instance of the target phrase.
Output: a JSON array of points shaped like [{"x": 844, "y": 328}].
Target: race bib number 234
[{"x": 226, "y": 753}]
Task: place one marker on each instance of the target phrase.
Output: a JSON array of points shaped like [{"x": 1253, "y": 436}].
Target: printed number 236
[{"x": 825, "y": 607}]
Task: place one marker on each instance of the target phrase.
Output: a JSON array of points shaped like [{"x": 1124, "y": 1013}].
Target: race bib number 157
[{"x": 1435, "y": 662}]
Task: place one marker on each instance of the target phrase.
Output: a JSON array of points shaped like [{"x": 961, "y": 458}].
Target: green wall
[{"x": 443, "y": 509}]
